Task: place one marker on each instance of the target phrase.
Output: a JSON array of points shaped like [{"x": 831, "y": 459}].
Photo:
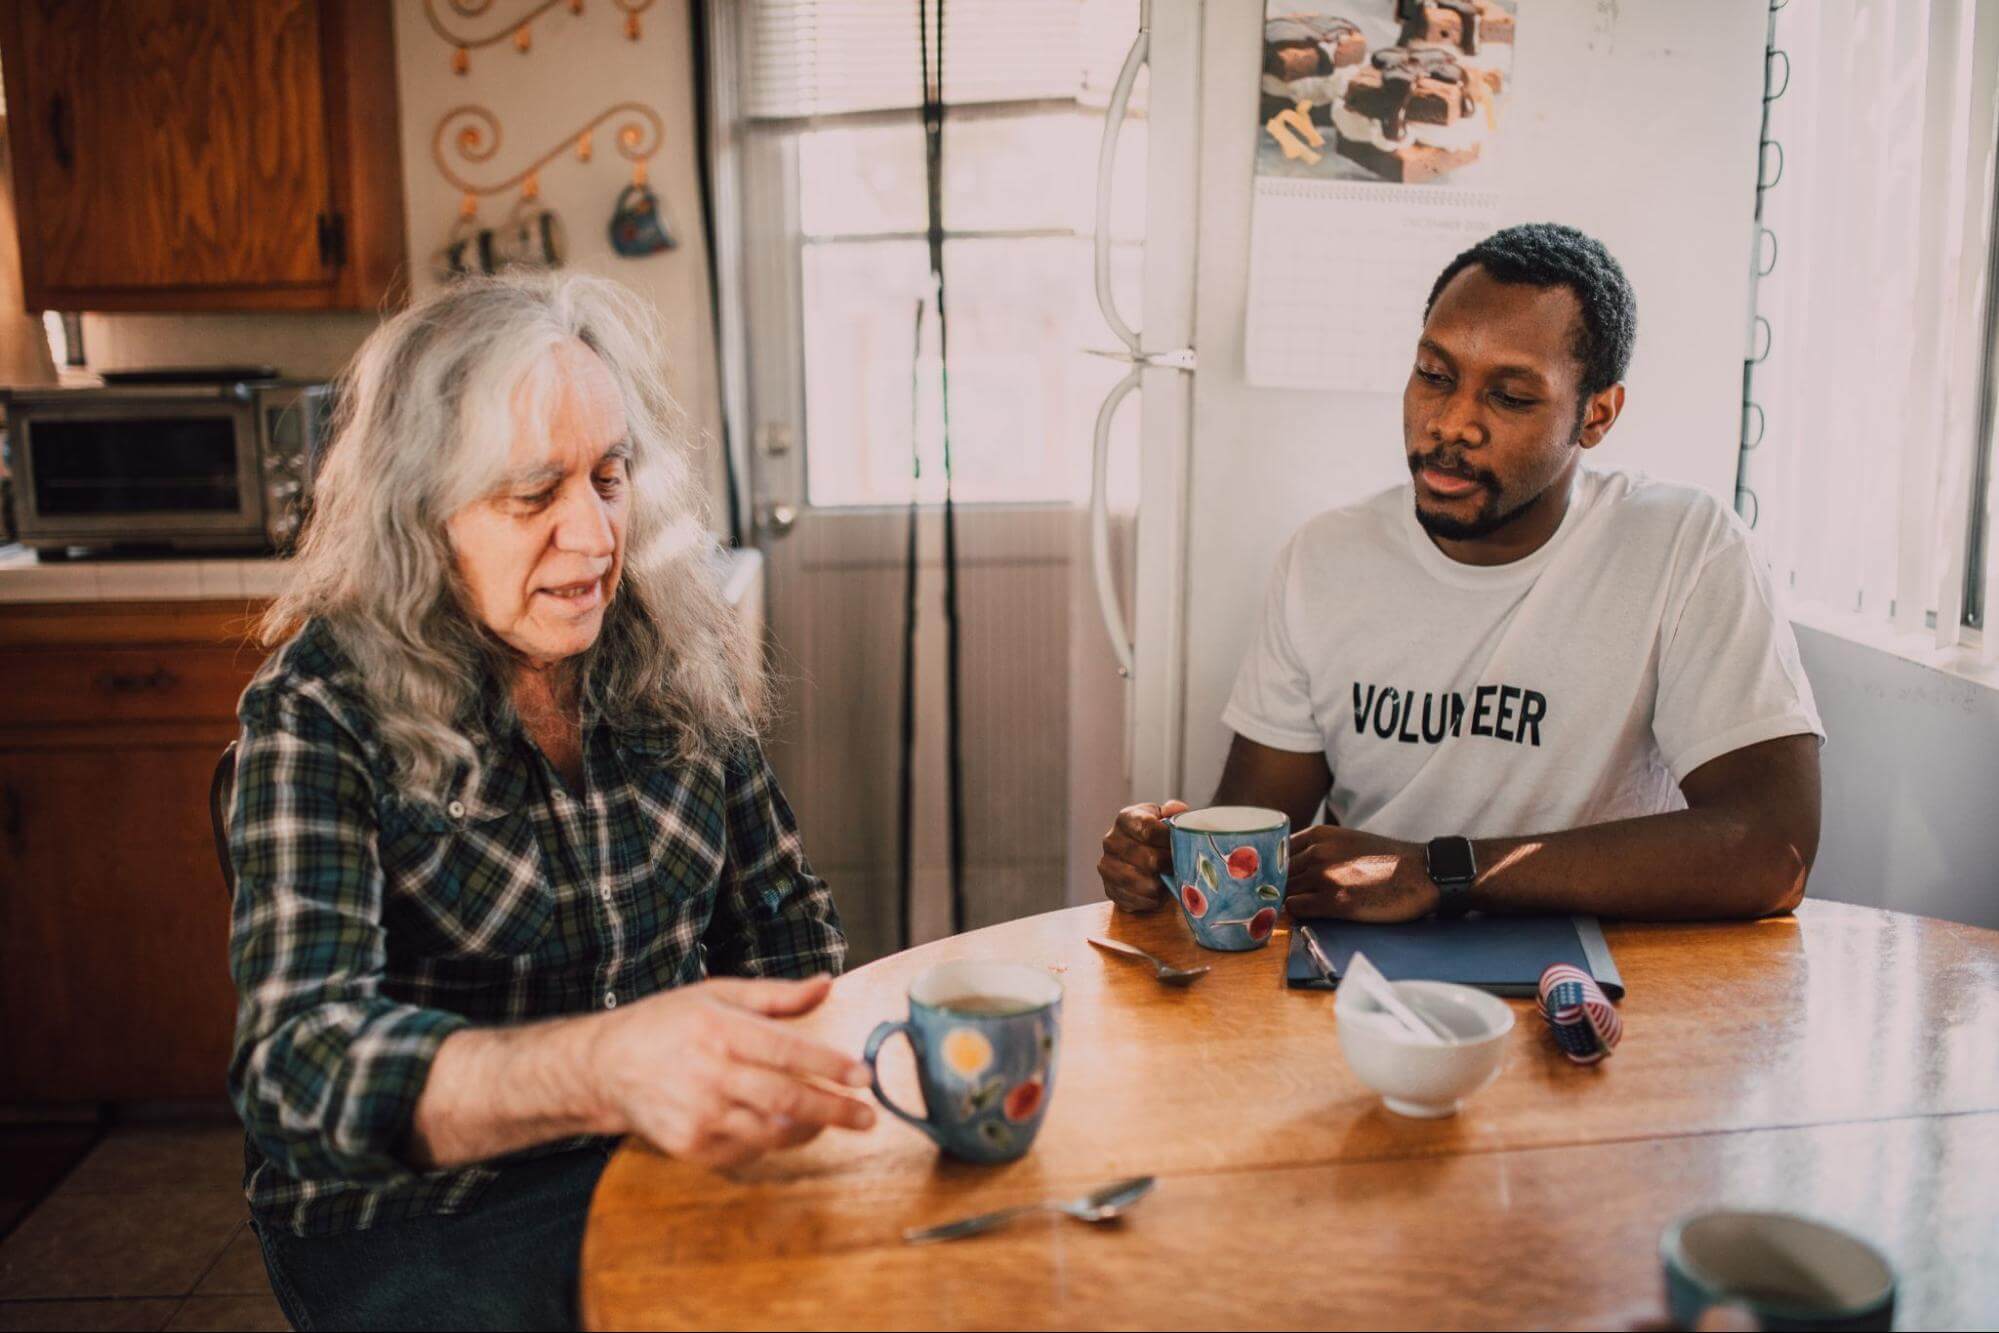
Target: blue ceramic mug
[
  {"x": 1228, "y": 873},
  {"x": 637, "y": 226},
  {"x": 1792, "y": 1273},
  {"x": 984, "y": 1035}
]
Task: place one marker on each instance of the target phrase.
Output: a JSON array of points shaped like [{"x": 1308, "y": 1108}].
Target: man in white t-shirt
[{"x": 1518, "y": 684}]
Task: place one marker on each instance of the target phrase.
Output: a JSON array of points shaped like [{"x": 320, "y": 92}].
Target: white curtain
[{"x": 1871, "y": 401}]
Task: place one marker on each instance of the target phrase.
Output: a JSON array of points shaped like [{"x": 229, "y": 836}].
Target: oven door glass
[{"x": 103, "y": 468}]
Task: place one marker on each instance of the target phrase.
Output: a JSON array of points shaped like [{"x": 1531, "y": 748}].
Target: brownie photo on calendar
[
  {"x": 1305, "y": 58},
  {"x": 1413, "y": 114},
  {"x": 1478, "y": 32}
]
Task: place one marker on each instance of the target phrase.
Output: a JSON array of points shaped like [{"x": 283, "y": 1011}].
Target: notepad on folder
[{"x": 1502, "y": 954}]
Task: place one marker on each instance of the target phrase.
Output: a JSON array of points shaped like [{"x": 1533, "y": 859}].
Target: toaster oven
[{"x": 221, "y": 466}]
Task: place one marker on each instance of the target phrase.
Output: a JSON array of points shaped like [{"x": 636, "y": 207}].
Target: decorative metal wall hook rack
[
  {"x": 519, "y": 30},
  {"x": 1762, "y": 335},
  {"x": 474, "y": 132}
]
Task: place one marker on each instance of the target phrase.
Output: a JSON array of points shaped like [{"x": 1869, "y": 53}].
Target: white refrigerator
[{"x": 1635, "y": 120}]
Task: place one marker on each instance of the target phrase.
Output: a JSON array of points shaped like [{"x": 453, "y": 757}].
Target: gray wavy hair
[{"x": 428, "y": 409}]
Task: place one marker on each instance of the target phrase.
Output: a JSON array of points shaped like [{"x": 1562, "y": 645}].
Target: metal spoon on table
[
  {"x": 1166, "y": 972},
  {"x": 1103, "y": 1204}
]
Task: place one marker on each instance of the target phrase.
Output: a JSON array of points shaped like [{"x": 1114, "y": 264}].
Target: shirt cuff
[{"x": 388, "y": 1064}]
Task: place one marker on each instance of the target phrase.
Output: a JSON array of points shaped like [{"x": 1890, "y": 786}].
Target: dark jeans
[{"x": 509, "y": 1263}]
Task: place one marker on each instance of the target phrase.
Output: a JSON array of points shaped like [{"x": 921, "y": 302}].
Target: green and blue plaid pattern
[{"x": 368, "y": 928}]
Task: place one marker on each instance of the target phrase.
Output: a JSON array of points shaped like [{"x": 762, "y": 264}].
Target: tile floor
[
  {"x": 149, "y": 1231},
  {"x": 33, "y": 1160}
]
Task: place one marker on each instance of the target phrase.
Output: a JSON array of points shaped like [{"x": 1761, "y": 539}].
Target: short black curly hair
[{"x": 1548, "y": 254}]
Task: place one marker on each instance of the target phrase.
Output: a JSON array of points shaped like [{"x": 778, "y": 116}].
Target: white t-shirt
[{"x": 1574, "y": 686}]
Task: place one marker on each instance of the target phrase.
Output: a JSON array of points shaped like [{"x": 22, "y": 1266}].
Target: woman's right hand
[
  {"x": 707, "y": 1074},
  {"x": 1137, "y": 851}
]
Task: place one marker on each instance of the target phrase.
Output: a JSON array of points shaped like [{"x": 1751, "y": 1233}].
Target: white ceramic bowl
[{"x": 1418, "y": 1078}]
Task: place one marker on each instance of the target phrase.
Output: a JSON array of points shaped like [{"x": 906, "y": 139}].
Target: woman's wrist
[
  {"x": 591, "y": 1072},
  {"x": 493, "y": 1091}
]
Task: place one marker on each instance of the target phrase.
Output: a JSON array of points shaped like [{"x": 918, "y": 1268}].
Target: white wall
[
  {"x": 1636, "y": 122},
  {"x": 577, "y": 67},
  {"x": 1911, "y": 768}
]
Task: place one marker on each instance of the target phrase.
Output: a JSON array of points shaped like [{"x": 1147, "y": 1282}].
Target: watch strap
[{"x": 1452, "y": 868}]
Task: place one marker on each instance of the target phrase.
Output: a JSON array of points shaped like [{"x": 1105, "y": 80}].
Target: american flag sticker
[{"x": 1585, "y": 1025}]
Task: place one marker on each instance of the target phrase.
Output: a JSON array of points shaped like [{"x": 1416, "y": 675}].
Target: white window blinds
[
  {"x": 1876, "y": 374},
  {"x": 835, "y": 57}
]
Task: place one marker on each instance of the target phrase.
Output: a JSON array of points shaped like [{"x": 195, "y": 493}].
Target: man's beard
[{"x": 1491, "y": 516}]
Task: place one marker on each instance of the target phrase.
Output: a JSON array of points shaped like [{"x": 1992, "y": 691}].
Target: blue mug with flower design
[
  {"x": 984, "y": 1035},
  {"x": 1228, "y": 873}
]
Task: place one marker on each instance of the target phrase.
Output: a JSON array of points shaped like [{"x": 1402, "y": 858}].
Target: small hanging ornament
[
  {"x": 523, "y": 38},
  {"x": 583, "y": 146},
  {"x": 466, "y": 248},
  {"x": 638, "y": 226},
  {"x": 632, "y": 25},
  {"x": 531, "y": 187},
  {"x": 461, "y": 61}
]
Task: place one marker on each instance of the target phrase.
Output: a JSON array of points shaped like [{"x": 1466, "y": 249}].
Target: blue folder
[{"x": 1502, "y": 954}]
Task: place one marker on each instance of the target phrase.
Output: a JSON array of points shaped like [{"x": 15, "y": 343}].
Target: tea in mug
[{"x": 988, "y": 1006}]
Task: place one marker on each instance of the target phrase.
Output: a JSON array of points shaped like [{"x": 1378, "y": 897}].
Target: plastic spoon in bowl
[{"x": 1366, "y": 976}]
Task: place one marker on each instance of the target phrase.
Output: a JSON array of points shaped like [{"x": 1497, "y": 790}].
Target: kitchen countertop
[{"x": 26, "y": 578}]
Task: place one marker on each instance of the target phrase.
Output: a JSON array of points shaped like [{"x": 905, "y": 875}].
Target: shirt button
[
  {"x": 456, "y": 809},
  {"x": 607, "y": 893},
  {"x": 610, "y": 999}
]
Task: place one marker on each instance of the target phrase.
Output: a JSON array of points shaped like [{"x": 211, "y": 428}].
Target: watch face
[{"x": 1450, "y": 859}]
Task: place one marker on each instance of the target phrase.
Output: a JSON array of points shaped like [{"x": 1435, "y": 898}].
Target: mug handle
[{"x": 875, "y": 1039}]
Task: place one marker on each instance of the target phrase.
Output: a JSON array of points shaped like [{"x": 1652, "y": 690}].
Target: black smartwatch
[{"x": 1452, "y": 870}]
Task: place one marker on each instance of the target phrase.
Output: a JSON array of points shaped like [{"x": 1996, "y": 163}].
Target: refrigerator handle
[
  {"x": 1100, "y": 522},
  {"x": 1141, "y": 46}
]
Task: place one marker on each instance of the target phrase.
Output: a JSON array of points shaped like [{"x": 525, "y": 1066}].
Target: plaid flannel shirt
[{"x": 368, "y": 928}]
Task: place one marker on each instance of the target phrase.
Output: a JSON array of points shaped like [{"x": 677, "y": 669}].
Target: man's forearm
[
  {"x": 492, "y": 1091},
  {"x": 1303, "y": 811},
  {"x": 1276, "y": 779},
  {"x": 1688, "y": 863}
]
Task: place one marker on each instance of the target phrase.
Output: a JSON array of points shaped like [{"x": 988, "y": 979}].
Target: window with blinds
[
  {"x": 1872, "y": 483},
  {"x": 1025, "y": 83},
  {"x": 831, "y": 57}
]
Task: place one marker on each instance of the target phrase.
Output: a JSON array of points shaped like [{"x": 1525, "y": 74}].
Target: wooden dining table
[{"x": 1842, "y": 1063}]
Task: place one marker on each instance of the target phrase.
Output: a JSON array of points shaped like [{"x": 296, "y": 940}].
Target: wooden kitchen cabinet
[
  {"x": 204, "y": 154},
  {"x": 114, "y": 924}
]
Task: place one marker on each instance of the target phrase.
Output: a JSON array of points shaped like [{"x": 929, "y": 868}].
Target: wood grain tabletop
[{"x": 1842, "y": 1063}]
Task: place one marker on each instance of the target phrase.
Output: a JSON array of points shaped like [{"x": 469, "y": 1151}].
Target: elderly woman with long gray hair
[{"x": 513, "y": 875}]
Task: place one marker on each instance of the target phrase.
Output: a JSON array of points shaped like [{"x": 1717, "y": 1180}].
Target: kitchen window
[
  {"x": 834, "y": 216},
  {"x": 1870, "y": 419}
]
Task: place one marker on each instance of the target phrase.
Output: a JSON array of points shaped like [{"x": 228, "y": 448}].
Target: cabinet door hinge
[{"x": 332, "y": 240}]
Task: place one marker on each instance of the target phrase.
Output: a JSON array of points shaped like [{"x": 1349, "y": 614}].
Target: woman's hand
[
  {"x": 1342, "y": 872},
  {"x": 703, "y": 1072}
]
